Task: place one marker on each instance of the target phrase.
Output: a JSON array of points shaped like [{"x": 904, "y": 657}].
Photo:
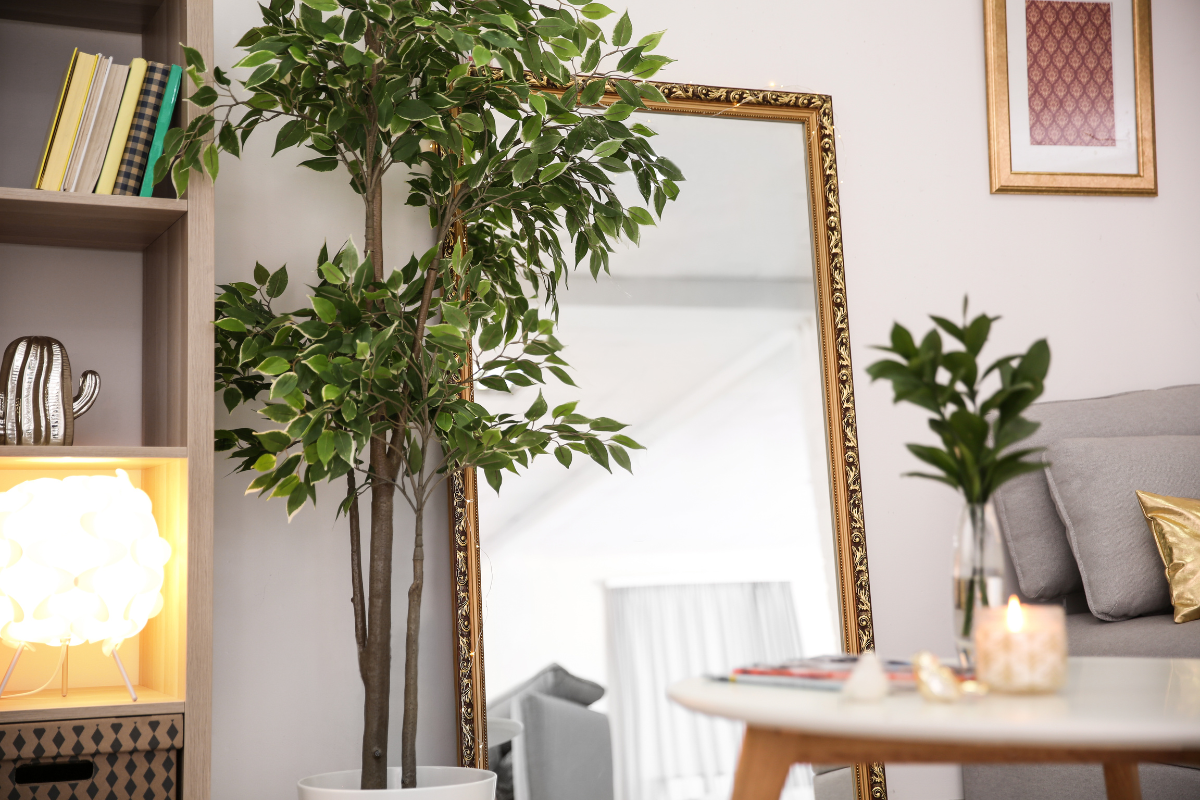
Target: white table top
[{"x": 1141, "y": 703}]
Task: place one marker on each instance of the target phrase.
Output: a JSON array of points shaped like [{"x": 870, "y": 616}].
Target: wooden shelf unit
[
  {"x": 173, "y": 462},
  {"x": 95, "y": 221}
]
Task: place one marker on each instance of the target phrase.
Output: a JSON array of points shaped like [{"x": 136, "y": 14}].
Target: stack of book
[
  {"x": 109, "y": 126},
  {"x": 821, "y": 672}
]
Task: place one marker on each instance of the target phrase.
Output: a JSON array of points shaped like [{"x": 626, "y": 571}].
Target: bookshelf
[{"x": 57, "y": 251}]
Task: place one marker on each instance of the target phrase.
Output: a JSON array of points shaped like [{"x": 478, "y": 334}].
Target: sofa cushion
[
  {"x": 565, "y": 751},
  {"x": 1157, "y": 636},
  {"x": 1072, "y": 782},
  {"x": 1036, "y": 537},
  {"x": 553, "y": 681},
  {"x": 1094, "y": 483}
]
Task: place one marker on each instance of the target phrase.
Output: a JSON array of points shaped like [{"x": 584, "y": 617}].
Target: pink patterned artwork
[{"x": 1070, "y": 73}]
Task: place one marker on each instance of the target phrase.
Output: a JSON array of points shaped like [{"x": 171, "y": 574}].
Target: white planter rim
[{"x": 434, "y": 783}]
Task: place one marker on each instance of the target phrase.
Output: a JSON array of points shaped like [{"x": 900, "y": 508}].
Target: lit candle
[{"x": 1021, "y": 648}]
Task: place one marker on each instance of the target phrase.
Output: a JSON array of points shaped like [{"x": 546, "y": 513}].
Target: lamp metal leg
[
  {"x": 124, "y": 677},
  {"x": 66, "y": 659},
  {"x": 11, "y": 666}
]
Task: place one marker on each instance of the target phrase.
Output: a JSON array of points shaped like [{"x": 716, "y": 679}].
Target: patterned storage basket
[{"x": 115, "y": 758}]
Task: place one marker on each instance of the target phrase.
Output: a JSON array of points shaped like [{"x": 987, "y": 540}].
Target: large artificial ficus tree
[{"x": 496, "y": 112}]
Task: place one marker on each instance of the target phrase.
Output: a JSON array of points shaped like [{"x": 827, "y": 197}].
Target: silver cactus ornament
[{"x": 36, "y": 404}]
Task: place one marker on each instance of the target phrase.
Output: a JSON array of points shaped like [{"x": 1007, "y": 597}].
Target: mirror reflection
[{"x": 601, "y": 590}]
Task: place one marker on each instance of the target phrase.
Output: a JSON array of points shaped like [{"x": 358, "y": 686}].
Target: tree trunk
[
  {"x": 377, "y": 665},
  {"x": 377, "y": 661},
  {"x": 412, "y": 649}
]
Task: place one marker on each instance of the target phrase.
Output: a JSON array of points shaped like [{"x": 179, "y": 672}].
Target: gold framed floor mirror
[{"x": 749, "y": 496}]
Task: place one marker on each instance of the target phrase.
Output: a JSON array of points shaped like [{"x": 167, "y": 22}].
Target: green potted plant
[
  {"x": 493, "y": 107},
  {"x": 978, "y": 432}
]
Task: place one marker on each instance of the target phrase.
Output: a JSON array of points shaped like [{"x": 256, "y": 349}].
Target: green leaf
[
  {"x": 621, "y": 457},
  {"x": 524, "y": 169},
  {"x": 622, "y": 31},
  {"x": 649, "y": 92},
  {"x": 325, "y": 164},
  {"x": 564, "y": 409},
  {"x": 640, "y": 215},
  {"x": 278, "y": 282},
  {"x": 265, "y": 463},
  {"x": 494, "y": 479},
  {"x": 500, "y": 39},
  {"x": 321, "y": 5},
  {"x": 563, "y": 454},
  {"x": 413, "y": 110},
  {"x": 229, "y": 324},
  {"x": 470, "y": 122},
  {"x": 591, "y": 58},
  {"x": 537, "y": 410},
  {"x": 290, "y": 135},
  {"x": 564, "y": 49},
  {"x": 261, "y": 274},
  {"x": 279, "y": 412},
  {"x": 332, "y": 273},
  {"x": 650, "y": 40},
  {"x": 193, "y": 57},
  {"x": 204, "y": 96},
  {"x": 597, "y": 451},
  {"x": 261, "y": 75},
  {"x": 325, "y": 446},
  {"x": 273, "y": 366},
  {"x": 531, "y": 128},
  {"x": 621, "y": 438},
  {"x": 618, "y": 111},
  {"x": 274, "y": 441},
  {"x": 255, "y": 59},
  {"x": 595, "y": 11},
  {"x": 325, "y": 309},
  {"x": 551, "y": 171},
  {"x": 592, "y": 93},
  {"x": 211, "y": 159},
  {"x": 284, "y": 385}
]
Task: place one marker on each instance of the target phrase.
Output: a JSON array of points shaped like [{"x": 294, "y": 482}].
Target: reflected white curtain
[{"x": 658, "y": 635}]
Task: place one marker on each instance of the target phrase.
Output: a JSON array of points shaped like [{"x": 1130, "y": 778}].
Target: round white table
[{"x": 1116, "y": 711}]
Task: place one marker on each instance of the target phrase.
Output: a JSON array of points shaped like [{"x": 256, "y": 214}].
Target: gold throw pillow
[{"x": 1175, "y": 523}]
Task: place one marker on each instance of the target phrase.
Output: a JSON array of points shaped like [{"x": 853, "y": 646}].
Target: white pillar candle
[{"x": 1021, "y": 648}]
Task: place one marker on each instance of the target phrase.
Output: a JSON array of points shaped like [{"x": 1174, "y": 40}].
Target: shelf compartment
[
  {"x": 130, "y": 16},
  {"x": 99, "y": 222},
  {"x": 93, "y": 456},
  {"x": 157, "y": 656},
  {"x": 90, "y": 702}
]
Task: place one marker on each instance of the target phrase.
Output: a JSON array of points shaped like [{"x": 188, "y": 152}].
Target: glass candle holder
[{"x": 1021, "y": 648}]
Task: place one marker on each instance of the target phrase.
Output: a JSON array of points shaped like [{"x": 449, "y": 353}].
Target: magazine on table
[{"x": 819, "y": 672}]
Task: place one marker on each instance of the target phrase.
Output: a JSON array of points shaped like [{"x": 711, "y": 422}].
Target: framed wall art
[{"x": 1070, "y": 90}]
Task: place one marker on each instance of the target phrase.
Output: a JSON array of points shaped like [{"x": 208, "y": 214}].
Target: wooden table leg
[
  {"x": 762, "y": 770},
  {"x": 1121, "y": 780}
]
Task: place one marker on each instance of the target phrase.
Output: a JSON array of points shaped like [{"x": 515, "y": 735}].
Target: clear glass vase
[{"x": 978, "y": 573}]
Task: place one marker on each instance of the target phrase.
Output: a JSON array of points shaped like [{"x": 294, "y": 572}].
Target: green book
[{"x": 166, "y": 110}]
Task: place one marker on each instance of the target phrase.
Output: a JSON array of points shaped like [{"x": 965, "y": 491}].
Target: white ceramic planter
[{"x": 433, "y": 783}]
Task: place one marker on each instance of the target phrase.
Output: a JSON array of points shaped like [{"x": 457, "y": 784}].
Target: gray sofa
[
  {"x": 1074, "y": 535},
  {"x": 565, "y": 749}
]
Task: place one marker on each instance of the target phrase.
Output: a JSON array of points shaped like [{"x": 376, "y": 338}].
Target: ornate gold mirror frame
[{"x": 815, "y": 111}]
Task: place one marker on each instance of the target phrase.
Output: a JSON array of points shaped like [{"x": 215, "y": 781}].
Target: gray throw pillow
[
  {"x": 553, "y": 681},
  {"x": 1093, "y": 483}
]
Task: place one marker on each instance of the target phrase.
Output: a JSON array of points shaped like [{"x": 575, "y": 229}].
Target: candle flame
[{"x": 1015, "y": 617}]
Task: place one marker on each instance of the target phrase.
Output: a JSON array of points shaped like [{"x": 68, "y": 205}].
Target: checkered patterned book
[{"x": 141, "y": 132}]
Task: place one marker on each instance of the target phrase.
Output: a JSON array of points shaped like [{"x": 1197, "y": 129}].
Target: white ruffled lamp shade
[{"x": 81, "y": 560}]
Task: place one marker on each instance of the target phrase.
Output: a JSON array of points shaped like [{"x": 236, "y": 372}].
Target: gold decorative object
[
  {"x": 815, "y": 111},
  {"x": 36, "y": 404},
  {"x": 1136, "y": 93},
  {"x": 1021, "y": 648},
  {"x": 1175, "y": 523},
  {"x": 935, "y": 681}
]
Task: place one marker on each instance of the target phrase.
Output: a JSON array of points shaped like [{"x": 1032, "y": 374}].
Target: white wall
[{"x": 1113, "y": 283}]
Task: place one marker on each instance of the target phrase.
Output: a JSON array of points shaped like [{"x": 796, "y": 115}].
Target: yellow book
[
  {"x": 116, "y": 145},
  {"x": 37, "y": 182},
  {"x": 68, "y": 123}
]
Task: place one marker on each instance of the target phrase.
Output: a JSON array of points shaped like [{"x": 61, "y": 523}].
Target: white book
[
  {"x": 106, "y": 117},
  {"x": 87, "y": 122}
]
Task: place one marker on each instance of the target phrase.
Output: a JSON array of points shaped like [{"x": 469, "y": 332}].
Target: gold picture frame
[
  {"x": 1005, "y": 180},
  {"x": 815, "y": 111}
]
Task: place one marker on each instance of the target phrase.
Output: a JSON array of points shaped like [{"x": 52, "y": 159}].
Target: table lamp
[{"x": 81, "y": 561}]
